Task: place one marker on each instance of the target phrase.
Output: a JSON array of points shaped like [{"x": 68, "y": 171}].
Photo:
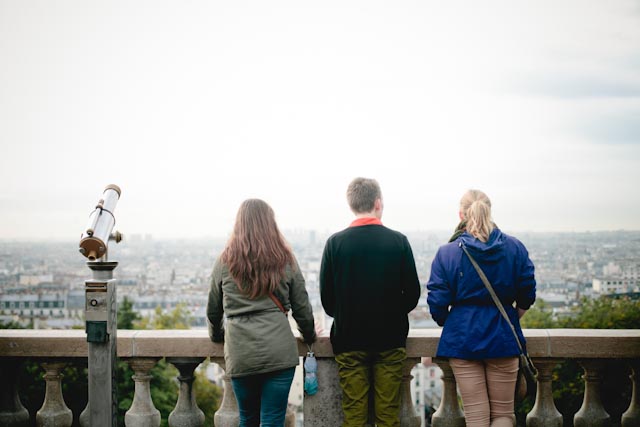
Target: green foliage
[
  {"x": 164, "y": 389},
  {"x": 127, "y": 317},
  {"x": 540, "y": 316},
  {"x": 208, "y": 395},
  {"x": 10, "y": 325},
  {"x": 604, "y": 313},
  {"x": 126, "y": 387},
  {"x": 178, "y": 318}
]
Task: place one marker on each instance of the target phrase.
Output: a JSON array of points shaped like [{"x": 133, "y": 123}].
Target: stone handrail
[
  {"x": 187, "y": 348},
  {"x": 552, "y": 343}
]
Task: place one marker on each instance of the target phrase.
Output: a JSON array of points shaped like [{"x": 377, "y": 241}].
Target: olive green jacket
[{"x": 257, "y": 335}]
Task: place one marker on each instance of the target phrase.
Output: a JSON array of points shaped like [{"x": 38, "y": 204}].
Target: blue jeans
[{"x": 262, "y": 399}]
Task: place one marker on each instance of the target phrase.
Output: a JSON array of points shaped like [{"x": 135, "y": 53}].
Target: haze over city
[{"x": 191, "y": 107}]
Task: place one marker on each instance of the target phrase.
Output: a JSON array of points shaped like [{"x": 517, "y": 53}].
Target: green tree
[
  {"x": 540, "y": 316},
  {"x": 178, "y": 318},
  {"x": 604, "y": 313},
  {"x": 126, "y": 315}
]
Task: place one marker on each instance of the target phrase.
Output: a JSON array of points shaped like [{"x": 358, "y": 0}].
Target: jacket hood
[{"x": 489, "y": 251}]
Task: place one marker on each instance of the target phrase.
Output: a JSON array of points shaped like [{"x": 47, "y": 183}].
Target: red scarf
[{"x": 365, "y": 221}]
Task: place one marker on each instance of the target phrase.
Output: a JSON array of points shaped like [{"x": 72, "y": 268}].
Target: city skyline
[{"x": 192, "y": 108}]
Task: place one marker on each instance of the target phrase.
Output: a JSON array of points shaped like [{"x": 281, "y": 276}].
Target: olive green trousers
[{"x": 359, "y": 371}]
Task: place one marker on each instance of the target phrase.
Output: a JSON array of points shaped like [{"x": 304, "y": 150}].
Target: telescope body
[{"x": 94, "y": 240}]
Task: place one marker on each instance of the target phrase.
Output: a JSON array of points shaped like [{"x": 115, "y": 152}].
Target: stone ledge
[{"x": 559, "y": 343}]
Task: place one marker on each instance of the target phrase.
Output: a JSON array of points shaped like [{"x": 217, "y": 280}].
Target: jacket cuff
[
  {"x": 310, "y": 339},
  {"x": 219, "y": 337},
  {"x": 216, "y": 335}
]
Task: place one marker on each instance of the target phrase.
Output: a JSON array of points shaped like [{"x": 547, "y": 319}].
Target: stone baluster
[
  {"x": 54, "y": 411},
  {"x": 12, "y": 413},
  {"x": 142, "y": 412},
  {"x": 85, "y": 417},
  {"x": 408, "y": 414},
  {"x": 449, "y": 413},
  {"x": 325, "y": 407},
  {"x": 186, "y": 412},
  {"x": 227, "y": 414},
  {"x": 544, "y": 412},
  {"x": 592, "y": 413},
  {"x": 631, "y": 417}
]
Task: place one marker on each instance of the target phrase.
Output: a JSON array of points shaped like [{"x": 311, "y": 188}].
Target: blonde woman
[
  {"x": 478, "y": 341},
  {"x": 256, "y": 273}
]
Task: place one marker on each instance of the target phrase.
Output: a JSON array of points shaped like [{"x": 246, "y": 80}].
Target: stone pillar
[
  {"x": 54, "y": 412},
  {"x": 186, "y": 412},
  {"x": 592, "y": 413},
  {"x": 631, "y": 417},
  {"x": 324, "y": 409},
  {"x": 544, "y": 412},
  {"x": 449, "y": 413},
  {"x": 408, "y": 415},
  {"x": 142, "y": 412},
  {"x": 12, "y": 413},
  {"x": 227, "y": 414}
]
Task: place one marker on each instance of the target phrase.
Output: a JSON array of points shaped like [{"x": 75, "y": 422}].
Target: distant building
[
  {"x": 35, "y": 279},
  {"x": 50, "y": 310},
  {"x": 616, "y": 285},
  {"x": 426, "y": 389}
]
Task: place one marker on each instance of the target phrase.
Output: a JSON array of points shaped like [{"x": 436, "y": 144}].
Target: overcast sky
[{"x": 193, "y": 106}]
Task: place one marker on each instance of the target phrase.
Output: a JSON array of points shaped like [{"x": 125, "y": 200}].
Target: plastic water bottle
[{"x": 310, "y": 370}]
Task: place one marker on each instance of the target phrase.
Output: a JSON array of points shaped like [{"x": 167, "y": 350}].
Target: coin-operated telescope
[
  {"x": 94, "y": 240},
  {"x": 101, "y": 311}
]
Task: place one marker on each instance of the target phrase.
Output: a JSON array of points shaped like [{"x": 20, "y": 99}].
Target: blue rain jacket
[{"x": 459, "y": 301}]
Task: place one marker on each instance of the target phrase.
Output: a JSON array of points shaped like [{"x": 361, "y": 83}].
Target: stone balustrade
[{"x": 186, "y": 349}]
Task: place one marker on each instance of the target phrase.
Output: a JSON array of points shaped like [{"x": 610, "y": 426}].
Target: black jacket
[{"x": 368, "y": 284}]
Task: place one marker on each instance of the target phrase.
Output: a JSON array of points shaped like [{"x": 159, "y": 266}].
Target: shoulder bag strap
[
  {"x": 495, "y": 298},
  {"x": 277, "y": 302}
]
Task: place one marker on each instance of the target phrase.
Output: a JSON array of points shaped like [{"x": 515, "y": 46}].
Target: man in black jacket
[{"x": 368, "y": 284}]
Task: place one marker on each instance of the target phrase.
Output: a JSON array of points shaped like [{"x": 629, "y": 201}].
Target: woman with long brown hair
[{"x": 255, "y": 280}]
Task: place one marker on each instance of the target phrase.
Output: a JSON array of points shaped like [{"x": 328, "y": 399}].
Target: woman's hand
[{"x": 521, "y": 312}]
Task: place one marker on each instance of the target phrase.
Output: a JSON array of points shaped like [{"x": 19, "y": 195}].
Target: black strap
[{"x": 496, "y": 300}]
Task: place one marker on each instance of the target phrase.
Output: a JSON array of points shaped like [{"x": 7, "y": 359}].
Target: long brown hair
[{"x": 257, "y": 253}]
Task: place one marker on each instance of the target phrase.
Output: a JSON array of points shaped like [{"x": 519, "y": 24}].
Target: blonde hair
[
  {"x": 475, "y": 207},
  {"x": 257, "y": 253}
]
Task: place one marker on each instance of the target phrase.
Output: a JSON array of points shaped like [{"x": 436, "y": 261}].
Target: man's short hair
[{"x": 362, "y": 194}]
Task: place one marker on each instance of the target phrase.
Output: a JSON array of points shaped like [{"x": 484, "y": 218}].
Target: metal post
[
  {"x": 101, "y": 328},
  {"x": 101, "y": 311}
]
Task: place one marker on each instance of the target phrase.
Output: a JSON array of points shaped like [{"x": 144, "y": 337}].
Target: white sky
[{"x": 193, "y": 106}]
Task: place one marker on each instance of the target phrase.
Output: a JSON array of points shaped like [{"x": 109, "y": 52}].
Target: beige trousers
[{"x": 487, "y": 388}]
